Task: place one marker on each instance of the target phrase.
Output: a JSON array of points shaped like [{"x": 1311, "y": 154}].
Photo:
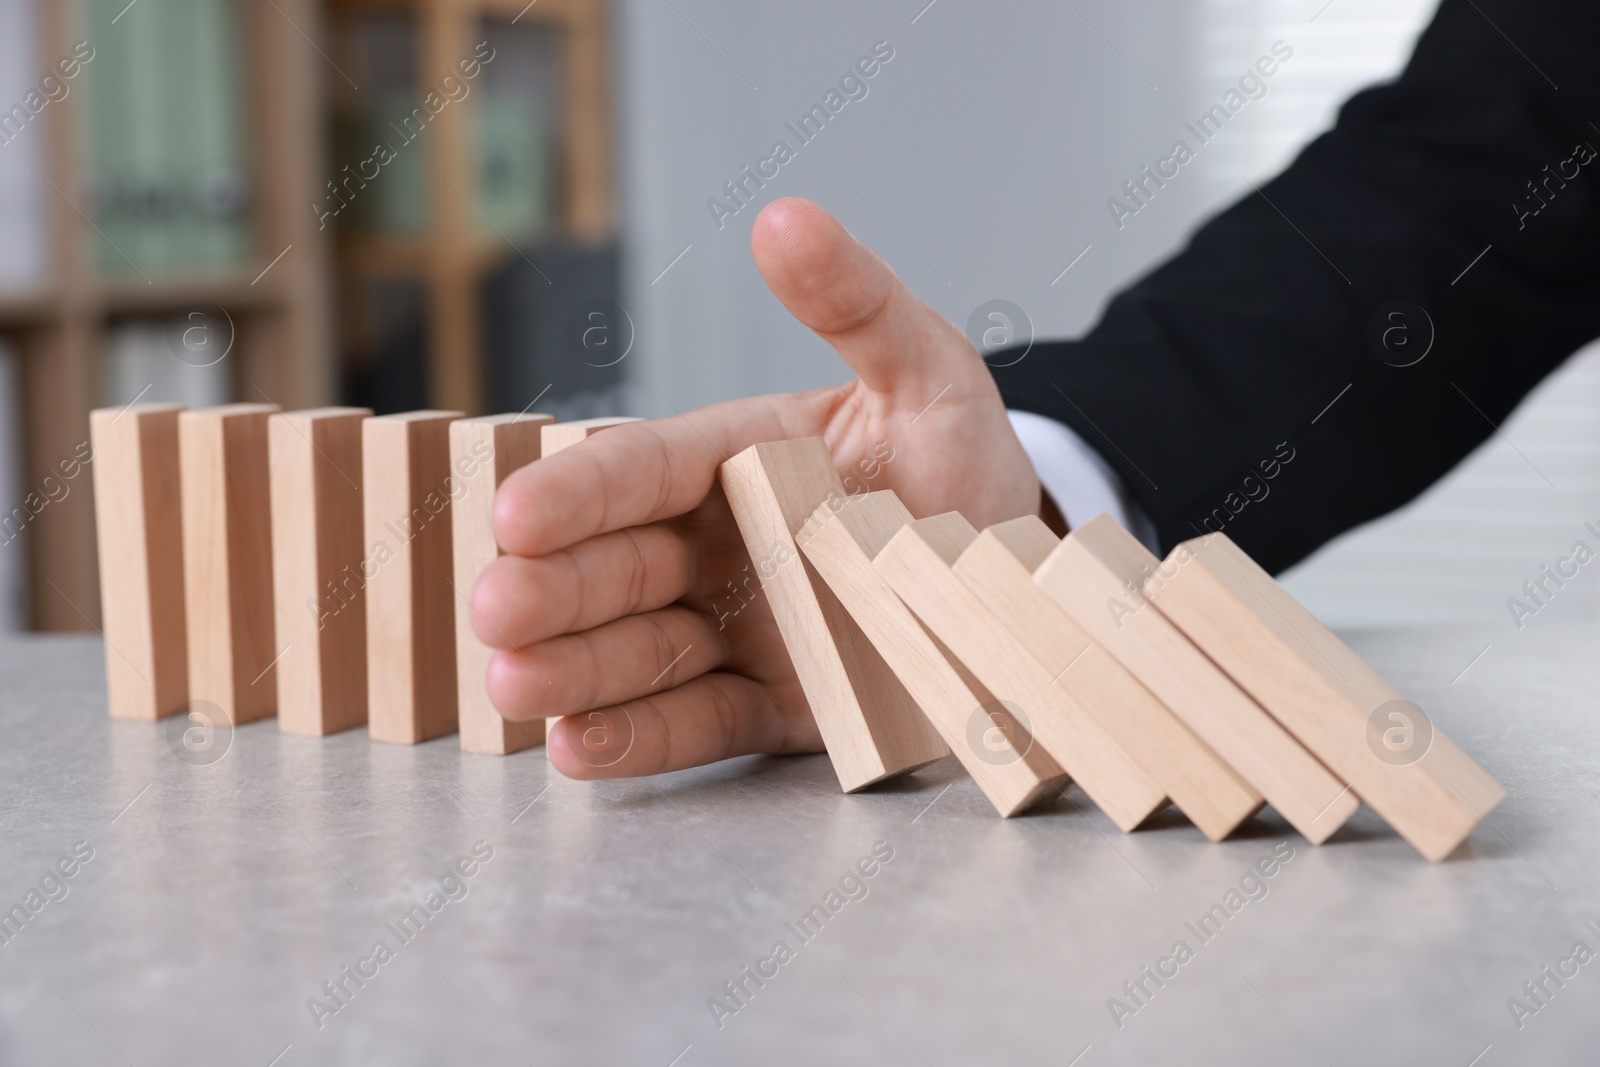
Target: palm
[{"x": 640, "y": 598}]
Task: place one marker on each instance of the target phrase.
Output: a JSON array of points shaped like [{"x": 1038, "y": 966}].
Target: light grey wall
[{"x": 978, "y": 165}]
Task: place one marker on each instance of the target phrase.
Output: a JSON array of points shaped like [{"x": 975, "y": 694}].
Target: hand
[{"x": 622, "y": 554}]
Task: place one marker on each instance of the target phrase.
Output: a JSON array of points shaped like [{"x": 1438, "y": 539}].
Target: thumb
[{"x": 845, "y": 292}]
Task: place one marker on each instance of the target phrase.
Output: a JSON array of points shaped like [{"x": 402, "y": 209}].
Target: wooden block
[
  {"x": 558, "y": 435},
  {"x": 917, "y": 564},
  {"x": 1095, "y": 575},
  {"x": 839, "y": 540},
  {"x": 869, "y": 723},
  {"x": 996, "y": 567},
  {"x": 315, "y": 460},
  {"x": 139, "y": 528},
  {"x": 1322, "y": 693},
  {"x": 411, "y": 638},
  {"x": 483, "y": 452},
  {"x": 227, "y": 559}
]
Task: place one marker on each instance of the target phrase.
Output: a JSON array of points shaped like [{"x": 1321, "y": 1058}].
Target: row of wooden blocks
[
  {"x": 1196, "y": 679},
  {"x": 316, "y": 565}
]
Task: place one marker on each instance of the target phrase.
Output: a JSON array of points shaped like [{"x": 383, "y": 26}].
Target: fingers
[
  {"x": 638, "y": 655},
  {"x": 640, "y": 472},
  {"x": 714, "y": 717},
  {"x": 844, "y": 291},
  {"x": 520, "y": 601}
]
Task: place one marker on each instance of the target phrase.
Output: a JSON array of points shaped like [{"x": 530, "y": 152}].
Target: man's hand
[{"x": 626, "y": 591}]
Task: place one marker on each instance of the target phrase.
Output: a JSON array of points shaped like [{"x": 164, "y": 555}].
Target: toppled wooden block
[
  {"x": 1430, "y": 791},
  {"x": 483, "y": 452},
  {"x": 1097, "y": 575},
  {"x": 996, "y": 567},
  {"x": 840, "y": 540},
  {"x": 917, "y": 564},
  {"x": 139, "y": 533},
  {"x": 872, "y": 728},
  {"x": 321, "y": 621}
]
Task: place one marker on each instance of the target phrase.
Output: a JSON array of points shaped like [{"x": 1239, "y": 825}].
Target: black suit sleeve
[{"x": 1203, "y": 376}]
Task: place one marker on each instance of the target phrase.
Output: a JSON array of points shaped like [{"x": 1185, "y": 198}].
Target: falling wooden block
[
  {"x": 1430, "y": 791},
  {"x": 315, "y": 460},
  {"x": 411, "y": 638},
  {"x": 839, "y": 540},
  {"x": 483, "y": 452},
  {"x": 1096, "y": 575},
  {"x": 227, "y": 559},
  {"x": 917, "y": 563},
  {"x": 997, "y": 567},
  {"x": 558, "y": 435},
  {"x": 139, "y": 529},
  {"x": 869, "y": 723}
]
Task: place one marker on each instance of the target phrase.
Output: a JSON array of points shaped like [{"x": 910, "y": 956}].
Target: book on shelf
[
  {"x": 182, "y": 360},
  {"x": 383, "y": 141},
  {"x": 513, "y": 150},
  {"x": 164, "y": 141}
]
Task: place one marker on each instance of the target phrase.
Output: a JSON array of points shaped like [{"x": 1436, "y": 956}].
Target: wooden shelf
[
  {"x": 178, "y": 294},
  {"x": 25, "y": 310}
]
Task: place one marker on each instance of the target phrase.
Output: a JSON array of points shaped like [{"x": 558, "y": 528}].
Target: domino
[
  {"x": 870, "y": 725},
  {"x": 839, "y": 540},
  {"x": 997, "y": 567},
  {"x": 411, "y": 639},
  {"x": 1095, "y": 575},
  {"x": 227, "y": 559},
  {"x": 917, "y": 564},
  {"x": 317, "y": 569},
  {"x": 139, "y": 533},
  {"x": 1430, "y": 791},
  {"x": 483, "y": 452},
  {"x": 558, "y": 435},
  {"x": 561, "y": 435}
]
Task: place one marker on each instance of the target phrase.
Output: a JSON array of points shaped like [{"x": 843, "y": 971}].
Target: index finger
[{"x": 640, "y": 472}]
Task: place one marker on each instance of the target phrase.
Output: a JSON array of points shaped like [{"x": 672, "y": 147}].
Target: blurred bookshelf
[
  {"x": 511, "y": 165},
  {"x": 165, "y": 176},
  {"x": 166, "y": 232}
]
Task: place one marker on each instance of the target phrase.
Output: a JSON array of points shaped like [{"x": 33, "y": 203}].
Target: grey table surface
[{"x": 219, "y": 899}]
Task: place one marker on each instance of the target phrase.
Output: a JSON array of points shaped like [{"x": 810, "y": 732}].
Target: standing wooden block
[
  {"x": 411, "y": 638},
  {"x": 1096, "y": 575},
  {"x": 997, "y": 566},
  {"x": 917, "y": 564},
  {"x": 1431, "y": 792},
  {"x": 840, "y": 540},
  {"x": 227, "y": 559},
  {"x": 558, "y": 435},
  {"x": 139, "y": 528},
  {"x": 869, "y": 723},
  {"x": 482, "y": 453},
  {"x": 317, "y": 569}
]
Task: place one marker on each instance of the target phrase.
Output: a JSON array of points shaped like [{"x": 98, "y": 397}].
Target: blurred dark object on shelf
[{"x": 553, "y": 325}]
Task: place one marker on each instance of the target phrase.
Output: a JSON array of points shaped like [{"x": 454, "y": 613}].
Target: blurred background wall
[{"x": 207, "y": 217}]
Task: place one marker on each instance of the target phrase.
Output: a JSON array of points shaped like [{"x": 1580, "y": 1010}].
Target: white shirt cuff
[{"x": 1077, "y": 477}]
